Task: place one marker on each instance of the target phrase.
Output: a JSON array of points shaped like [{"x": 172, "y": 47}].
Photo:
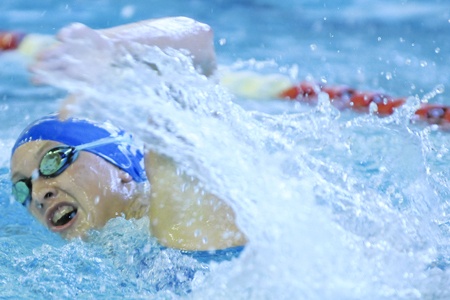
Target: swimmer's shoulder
[{"x": 183, "y": 214}]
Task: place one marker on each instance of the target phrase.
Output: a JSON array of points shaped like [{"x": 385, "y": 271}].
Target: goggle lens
[
  {"x": 53, "y": 163},
  {"x": 22, "y": 191},
  {"x": 56, "y": 160}
]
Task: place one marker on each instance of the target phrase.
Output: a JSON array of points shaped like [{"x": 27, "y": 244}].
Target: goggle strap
[{"x": 103, "y": 141}]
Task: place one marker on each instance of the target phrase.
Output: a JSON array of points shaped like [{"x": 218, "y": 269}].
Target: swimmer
[
  {"x": 74, "y": 175},
  {"x": 71, "y": 185}
]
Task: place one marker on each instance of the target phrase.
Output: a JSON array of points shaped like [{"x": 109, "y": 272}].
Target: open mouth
[{"x": 63, "y": 215}]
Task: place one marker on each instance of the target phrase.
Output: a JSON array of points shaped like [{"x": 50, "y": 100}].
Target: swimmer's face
[{"x": 85, "y": 196}]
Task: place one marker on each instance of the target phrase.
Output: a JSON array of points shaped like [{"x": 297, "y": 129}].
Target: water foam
[{"x": 334, "y": 205}]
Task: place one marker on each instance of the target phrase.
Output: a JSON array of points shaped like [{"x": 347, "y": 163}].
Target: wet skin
[
  {"x": 85, "y": 196},
  {"x": 92, "y": 191}
]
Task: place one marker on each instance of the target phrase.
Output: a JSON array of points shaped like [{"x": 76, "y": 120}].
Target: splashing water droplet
[
  {"x": 130, "y": 259},
  {"x": 35, "y": 174},
  {"x": 439, "y": 89},
  {"x": 373, "y": 108},
  {"x": 388, "y": 75},
  {"x": 293, "y": 72},
  {"x": 128, "y": 11}
]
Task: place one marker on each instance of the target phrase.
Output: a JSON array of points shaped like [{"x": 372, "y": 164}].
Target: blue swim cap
[{"x": 75, "y": 132}]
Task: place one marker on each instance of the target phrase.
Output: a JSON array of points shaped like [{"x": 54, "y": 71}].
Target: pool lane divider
[
  {"x": 10, "y": 40},
  {"x": 344, "y": 97}
]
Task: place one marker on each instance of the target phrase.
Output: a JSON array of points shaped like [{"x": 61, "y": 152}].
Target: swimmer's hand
[{"x": 81, "y": 53}]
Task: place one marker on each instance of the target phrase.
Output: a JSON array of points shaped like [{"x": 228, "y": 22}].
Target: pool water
[{"x": 336, "y": 205}]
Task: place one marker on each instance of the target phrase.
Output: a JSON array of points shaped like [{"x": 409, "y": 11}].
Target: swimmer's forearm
[
  {"x": 178, "y": 33},
  {"x": 149, "y": 30}
]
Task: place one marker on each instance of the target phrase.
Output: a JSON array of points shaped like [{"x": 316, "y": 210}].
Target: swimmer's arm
[
  {"x": 177, "y": 33},
  {"x": 185, "y": 216},
  {"x": 83, "y": 54}
]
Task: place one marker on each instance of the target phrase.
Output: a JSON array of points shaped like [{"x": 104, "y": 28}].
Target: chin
[
  {"x": 76, "y": 234},
  {"x": 73, "y": 230}
]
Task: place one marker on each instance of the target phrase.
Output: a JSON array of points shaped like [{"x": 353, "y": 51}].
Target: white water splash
[{"x": 335, "y": 206}]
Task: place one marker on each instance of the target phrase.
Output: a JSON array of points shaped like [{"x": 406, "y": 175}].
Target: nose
[{"x": 43, "y": 190}]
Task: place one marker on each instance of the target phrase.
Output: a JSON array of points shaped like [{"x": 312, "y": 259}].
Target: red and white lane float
[{"x": 381, "y": 104}]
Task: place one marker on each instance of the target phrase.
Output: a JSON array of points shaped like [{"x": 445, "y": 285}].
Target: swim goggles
[{"x": 52, "y": 164}]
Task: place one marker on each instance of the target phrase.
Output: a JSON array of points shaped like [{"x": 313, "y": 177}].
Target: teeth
[{"x": 63, "y": 215}]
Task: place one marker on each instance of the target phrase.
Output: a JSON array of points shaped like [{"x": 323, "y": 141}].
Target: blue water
[{"x": 336, "y": 205}]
